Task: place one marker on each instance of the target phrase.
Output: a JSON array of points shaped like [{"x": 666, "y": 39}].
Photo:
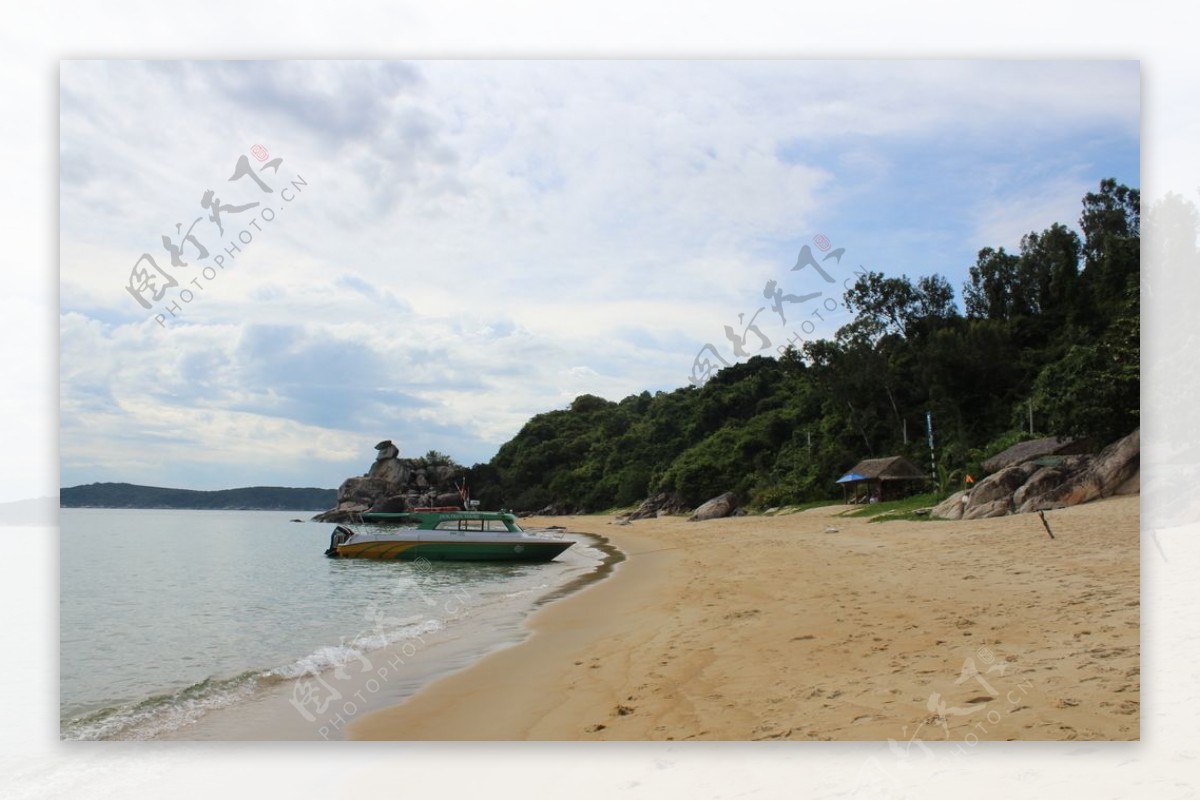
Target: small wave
[
  {"x": 525, "y": 591},
  {"x": 162, "y": 714},
  {"x": 352, "y": 649}
]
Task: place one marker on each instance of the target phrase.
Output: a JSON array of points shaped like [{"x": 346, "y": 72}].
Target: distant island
[{"x": 134, "y": 496}]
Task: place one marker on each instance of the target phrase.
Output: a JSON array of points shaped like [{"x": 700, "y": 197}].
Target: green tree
[
  {"x": 1094, "y": 390},
  {"x": 1111, "y": 224},
  {"x": 995, "y": 290},
  {"x": 1050, "y": 264}
]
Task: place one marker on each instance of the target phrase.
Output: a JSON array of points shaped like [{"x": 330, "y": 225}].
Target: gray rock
[
  {"x": 1039, "y": 483},
  {"x": 361, "y": 489},
  {"x": 393, "y": 484},
  {"x": 664, "y": 503},
  {"x": 721, "y": 506},
  {"x": 1030, "y": 487},
  {"x": 1131, "y": 486},
  {"x": 386, "y": 451},
  {"x": 951, "y": 508},
  {"x": 996, "y": 508},
  {"x": 553, "y": 510},
  {"x": 391, "y": 471},
  {"x": 391, "y": 503},
  {"x": 342, "y": 513},
  {"x": 1000, "y": 485},
  {"x": 1111, "y": 468}
]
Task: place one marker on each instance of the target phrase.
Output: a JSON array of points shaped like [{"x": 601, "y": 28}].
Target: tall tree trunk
[{"x": 861, "y": 430}]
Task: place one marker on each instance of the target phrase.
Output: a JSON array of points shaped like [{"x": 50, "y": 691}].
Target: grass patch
[
  {"x": 903, "y": 509},
  {"x": 793, "y": 508}
]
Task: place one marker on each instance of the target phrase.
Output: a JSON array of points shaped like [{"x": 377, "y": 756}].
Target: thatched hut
[{"x": 888, "y": 478}]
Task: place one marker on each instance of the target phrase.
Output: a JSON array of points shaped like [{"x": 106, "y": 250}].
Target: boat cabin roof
[{"x": 464, "y": 520}]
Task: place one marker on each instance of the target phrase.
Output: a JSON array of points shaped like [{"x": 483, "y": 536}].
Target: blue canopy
[{"x": 849, "y": 477}]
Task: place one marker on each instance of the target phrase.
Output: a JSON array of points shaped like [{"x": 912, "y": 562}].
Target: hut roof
[
  {"x": 889, "y": 468},
  {"x": 1030, "y": 449}
]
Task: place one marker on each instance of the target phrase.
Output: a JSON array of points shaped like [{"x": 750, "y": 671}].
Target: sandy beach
[{"x": 761, "y": 628}]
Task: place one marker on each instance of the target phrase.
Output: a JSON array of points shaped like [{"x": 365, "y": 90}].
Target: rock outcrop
[
  {"x": 952, "y": 507},
  {"x": 550, "y": 510},
  {"x": 1100, "y": 478},
  {"x": 723, "y": 505},
  {"x": 1032, "y": 449},
  {"x": 393, "y": 484},
  {"x": 1001, "y": 485},
  {"x": 1035, "y": 486},
  {"x": 664, "y": 503}
]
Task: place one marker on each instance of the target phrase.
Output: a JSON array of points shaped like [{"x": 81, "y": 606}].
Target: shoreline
[
  {"x": 471, "y": 629},
  {"x": 570, "y": 619},
  {"x": 774, "y": 628}
]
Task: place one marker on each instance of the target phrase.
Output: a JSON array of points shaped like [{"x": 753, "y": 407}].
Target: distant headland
[{"x": 135, "y": 496}]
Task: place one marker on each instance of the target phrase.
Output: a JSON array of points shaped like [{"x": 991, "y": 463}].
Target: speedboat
[{"x": 439, "y": 535}]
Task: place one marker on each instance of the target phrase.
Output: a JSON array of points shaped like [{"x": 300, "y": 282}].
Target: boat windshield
[{"x": 473, "y": 525}]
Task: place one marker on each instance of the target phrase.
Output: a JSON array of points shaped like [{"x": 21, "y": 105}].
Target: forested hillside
[{"x": 1054, "y": 327}]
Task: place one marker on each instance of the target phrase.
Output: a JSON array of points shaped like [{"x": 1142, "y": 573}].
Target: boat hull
[{"x": 526, "y": 550}]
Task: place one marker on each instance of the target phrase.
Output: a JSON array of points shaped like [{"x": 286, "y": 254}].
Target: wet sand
[{"x": 759, "y": 628}]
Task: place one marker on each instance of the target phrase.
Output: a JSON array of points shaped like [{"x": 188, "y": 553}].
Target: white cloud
[
  {"x": 1004, "y": 218},
  {"x": 477, "y": 242}
]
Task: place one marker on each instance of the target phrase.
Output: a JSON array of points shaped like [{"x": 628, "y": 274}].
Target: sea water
[{"x": 171, "y": 620}]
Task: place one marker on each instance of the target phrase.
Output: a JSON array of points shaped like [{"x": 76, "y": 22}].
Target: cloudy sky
[{"x": 447, "y": 248}]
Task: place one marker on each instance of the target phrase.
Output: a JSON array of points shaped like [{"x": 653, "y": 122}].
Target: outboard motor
[{"x": 340, "y": 535}]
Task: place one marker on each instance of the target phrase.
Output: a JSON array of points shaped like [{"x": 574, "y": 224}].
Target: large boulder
[
  {"x": 1000, "y": 485},
  {"x": 1111, "y": 468},
  {"x": 342, "y": 513},
  {"x": 393, "y": 484},
  {"x": 1032, "y": 449},
  {"x": 951, "y": 508},
  {"x": 721, "y": 506},
  {"x": 362, "y": 489},
  {"x": 387, "y": 450},
  {"x": 1132, "y": 485},
  {"x": 995, "y": 508},
  {"x": 392, "y": 472},
  {"x": 392, "y": 504},
  {"x": 442, "y": 474},
  {"x": 552, "y": 510},
  {"x": 663, "y": 503},
  {"x": 1039, "y": 483},
  {"x": 1049, "y": 482}
]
